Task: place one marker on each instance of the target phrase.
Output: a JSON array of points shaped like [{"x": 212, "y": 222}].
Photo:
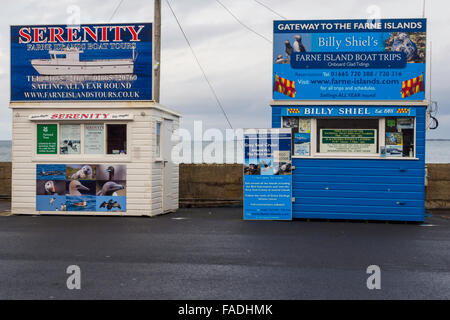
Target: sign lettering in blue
[
  {"x": 349, "y": 59},
  {"x": 85, "y": 62},
  {"x": 348, "y": 111},
  {"x": 267, "y": 174}
]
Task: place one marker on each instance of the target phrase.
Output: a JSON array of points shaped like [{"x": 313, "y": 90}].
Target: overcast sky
[{"x": 237, "y": 62}]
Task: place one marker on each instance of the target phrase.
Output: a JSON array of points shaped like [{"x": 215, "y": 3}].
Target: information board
[
  {"x": 81, "y": 62},
  {"x": 348, "y": 141},
  {"x": 267, "y": 174},
  {"x": 349, "y": 59}
]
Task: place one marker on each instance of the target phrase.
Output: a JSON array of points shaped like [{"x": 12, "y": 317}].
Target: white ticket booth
[{"x": 90, "y": 159}]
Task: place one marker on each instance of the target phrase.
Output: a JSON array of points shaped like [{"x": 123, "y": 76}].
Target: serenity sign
[
  {"x": 349, "y": 59},
  {"x": 85, "y": 62},
  {"x": 80, "y": 116}
]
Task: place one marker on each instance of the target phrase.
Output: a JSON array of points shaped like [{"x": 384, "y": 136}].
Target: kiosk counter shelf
[{"x": 364, "y": 162}]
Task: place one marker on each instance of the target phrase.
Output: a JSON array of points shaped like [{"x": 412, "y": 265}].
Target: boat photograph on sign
[{"x": 68, "y": 62}]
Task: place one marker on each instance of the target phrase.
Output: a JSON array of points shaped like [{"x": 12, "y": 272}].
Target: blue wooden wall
[{"x": 372, "y": 189}]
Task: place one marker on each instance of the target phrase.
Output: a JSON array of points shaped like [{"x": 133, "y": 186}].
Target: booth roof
[
  {"x": 93, "y": 105},
  {"x": 299, "y": 103}
]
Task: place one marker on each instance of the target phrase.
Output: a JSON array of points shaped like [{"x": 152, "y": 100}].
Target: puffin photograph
[
  {"x": 288, "y": 48},
  {"x": 50, "y": 187}
]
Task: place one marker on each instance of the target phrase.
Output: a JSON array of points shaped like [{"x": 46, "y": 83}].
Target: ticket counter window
[
  {"x": 347, "y": 136},
  {"x": 399, "y": 137},
  {"x": 116, "y": 138},
  {"x": 391, "y": 137},
  {"x": 79, "y": 139}
]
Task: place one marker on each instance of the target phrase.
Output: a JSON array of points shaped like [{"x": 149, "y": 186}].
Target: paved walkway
[
  {"x": 213, "y": 254},
  {"x": 5, "y": 207}
]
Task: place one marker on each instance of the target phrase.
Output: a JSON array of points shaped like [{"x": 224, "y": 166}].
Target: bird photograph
[
  {"x": 111, "y": 188},
  {"x": 80, "y": 187},
  {"x": 80, "y": 203},
  {"x": 111, "y": 172},
  {"x": 283, "y": 169},
  {"x": 298, "y": 45},
  {"x": 50, "y": 172},
  {"x": 288, "y": 49},
  {"x": 50, "y": 187},
  {"x": 252, "y": 169},
  {"x": 110, "y": 205}
]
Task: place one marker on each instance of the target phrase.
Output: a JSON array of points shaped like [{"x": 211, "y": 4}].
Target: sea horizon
[{"x": 437, "y": 151}]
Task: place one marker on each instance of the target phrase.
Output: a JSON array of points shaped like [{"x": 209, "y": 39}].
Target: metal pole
[
  {"x": 423, "y": 9},
  {"x": 156, "y": 50},
  {"x": 431, "y": 70}
]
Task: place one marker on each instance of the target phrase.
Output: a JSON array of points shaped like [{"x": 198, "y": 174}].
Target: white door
[{"x": 168, "y": 166}]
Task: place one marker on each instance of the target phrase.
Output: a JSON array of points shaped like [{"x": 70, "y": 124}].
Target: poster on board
[
  {"x": 81, "y": 188},
  {"x": 394, "y": 144},
  {"x": 70, "y": 141},
  {"x": 349, "y": 59},
  {"x": 267, "y": 174},
  {"x": 46, "y": 139},
  {"x": 348, "y": 140},
  {"x": 81, "y": 62},
  {"x": 94, "y": 139},
  {"x": 302, "y": 144}
]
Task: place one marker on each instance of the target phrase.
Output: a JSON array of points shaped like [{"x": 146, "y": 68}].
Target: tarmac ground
[{"x": 211, "y": 253}]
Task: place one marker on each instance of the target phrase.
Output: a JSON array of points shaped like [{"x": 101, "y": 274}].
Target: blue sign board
[
  {"x": 348, "y": 111},
  {"x": 84, "y": 62},
  {"x": 267, "y": 174},
  {"x": 349, "y": 59}
]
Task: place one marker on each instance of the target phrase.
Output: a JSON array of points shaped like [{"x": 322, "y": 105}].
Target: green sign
[
  {"x": 47, "y": 138},
  {"x": 348, "y": 141}
]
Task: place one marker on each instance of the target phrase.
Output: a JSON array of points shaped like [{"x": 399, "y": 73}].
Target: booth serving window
[
  {"x": 117, "y": 138},
  {"x": 348, "y": 137},
  {"x": 77, "y": 139}
]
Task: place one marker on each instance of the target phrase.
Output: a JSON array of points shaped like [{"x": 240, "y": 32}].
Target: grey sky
[{"x": 237, "y": 62}]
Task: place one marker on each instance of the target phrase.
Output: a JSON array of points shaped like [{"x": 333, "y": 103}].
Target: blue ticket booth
[{"x": 356, "y": 161}]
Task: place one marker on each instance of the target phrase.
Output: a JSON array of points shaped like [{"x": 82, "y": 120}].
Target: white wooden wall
[{"x": 158, "y": 170}]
